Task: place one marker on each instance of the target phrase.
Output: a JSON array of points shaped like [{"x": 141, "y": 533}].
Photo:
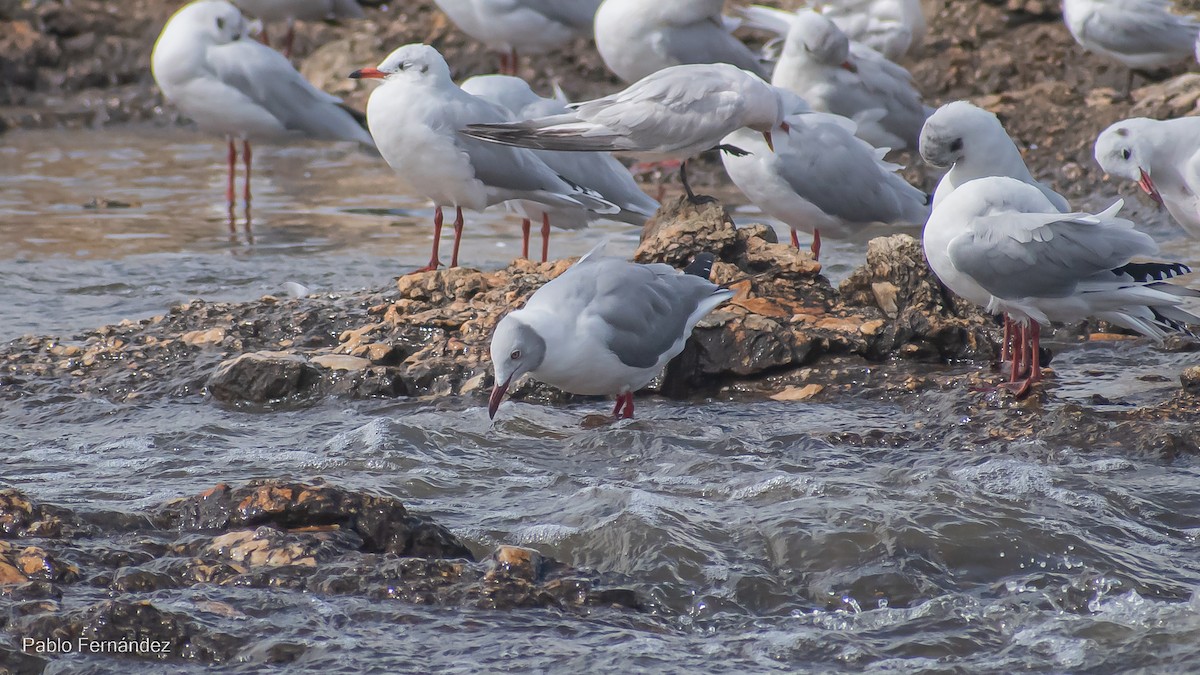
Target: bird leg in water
[
  {"x": 624, "y": 407},
  {"x": 1032, "y": 338},
  {"x": 525, "y": 238},
  {"x": 246, "y": 157},
  {"x": 434, "y": 263},
  {"x": 545, "y": 236},
  {"x": 229, "y": 186},
  {"x": 458, "y": 228}
]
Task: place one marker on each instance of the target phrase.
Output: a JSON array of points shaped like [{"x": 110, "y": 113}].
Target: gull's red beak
[
  {"x": 847, "y": 65},
  {"x": 368, "y": 74},
  {"x": 496, "y": 397},
  {"x": 1147, "y": 186},
  {"x": 767, "y": 135}
]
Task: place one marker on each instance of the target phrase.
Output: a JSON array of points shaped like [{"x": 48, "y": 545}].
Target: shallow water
[{"x": 762, "y": 543}]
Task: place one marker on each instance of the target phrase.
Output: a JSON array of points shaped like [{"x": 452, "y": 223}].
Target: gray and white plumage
[
  {"x": 823, "y": 178},
  {"x": 639, "y": 37},
  {"x": 208, "y": 67},
  {"x": 414, "y": 115},
  {"x": 270, "y": 11},
  {"x": 531, "y": 26},
  {"x": 834, "y": 74},
  {"x": 1000, "y": 243},
  {"x": 1141, "y": 34},
  {"x": 1162, "y": 157},
  {"x": 675, "y": 113},
  {"x": 891, "y": 27},
  {"x": 604, "y": 327},
  {"x": 973, "y": 143},
  {"x": 598, "y": 172}
]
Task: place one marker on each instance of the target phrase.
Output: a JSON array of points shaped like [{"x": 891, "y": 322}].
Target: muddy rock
[
  {"x": 261, "y": 377},
  {"x": 381, "y": 523}
]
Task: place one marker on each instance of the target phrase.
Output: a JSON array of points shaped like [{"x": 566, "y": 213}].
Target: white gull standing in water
[
  {"x": 415, "y": 114},
  {"x": 207, "y": 66},
  {"x": 605, "y": 327},
  {"x": 1000, "y": 243}
]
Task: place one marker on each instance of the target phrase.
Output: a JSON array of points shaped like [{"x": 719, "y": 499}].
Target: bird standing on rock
[
  {"x": 605, "y": 327},
  {"x": 208, "y": 67},
  {"x": 531, "y": 26},
  {"x": 414, "y": 116},
  {"x": 1163, "y": 157},
  {"x": 675, "y": 113},
  {"x": 1000, "y": 243}
]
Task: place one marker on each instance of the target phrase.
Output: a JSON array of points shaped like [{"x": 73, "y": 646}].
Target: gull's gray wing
[
  {"x": 1017, "y": 255},
  {"x": 578, "y": 14},
  {"x": 265, "y": 76},
  {"x": 1140, "y": 26},
  {"x": 708, "y": 41}
]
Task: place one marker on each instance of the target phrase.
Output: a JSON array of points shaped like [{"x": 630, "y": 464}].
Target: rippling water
[{"x": 762, "y": 542}]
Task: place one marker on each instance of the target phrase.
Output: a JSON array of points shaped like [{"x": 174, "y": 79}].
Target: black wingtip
[
  {"x": 1152, "y": 271},
  {"x": 701, "y": 266}
]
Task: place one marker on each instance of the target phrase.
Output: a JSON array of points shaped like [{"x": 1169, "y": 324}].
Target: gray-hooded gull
[{"x": 1162, "y": 157}]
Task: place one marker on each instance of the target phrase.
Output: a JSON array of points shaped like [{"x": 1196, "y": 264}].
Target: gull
[
  {"x": 1002, "y": 244},
  {"x": 1163, "y": 157},
  {"x": 597, "y": 171},
  {"x": 890, "y": 27},
  {"x": 206, "y": 65},
  {"x": 973, "y": 143},
  {"x": 1139, "y": 34},
  {"x": 675, "y": 113},
  {"x": 289, "y": 11},
  {"x": 605, "y": 327},
  {"x": 834, "y": 74},
  {"x": 639, "y": 37},
  {"x": 823, "y": 179},
  {"x": 414, "y": 115},
  {"x": 533, "y": 26}
]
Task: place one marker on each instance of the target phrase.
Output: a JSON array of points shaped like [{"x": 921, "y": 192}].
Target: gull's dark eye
[
  {"x": 515, "y": 355},
  {"x": 1126, "y": 154},
  {"x": 220, "y": 23},
  {"x": 956, "y": 145}
]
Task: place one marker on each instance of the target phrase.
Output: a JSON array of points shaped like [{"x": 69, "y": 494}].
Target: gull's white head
[
  {"x": 213, "y": 21},
  {"x": 818, "y": 38},
  {"x": 516, "y": 349},
  {"x": 958, "y": 131},
  {"x": 413, "y": 61},
  {"x": 1122, "y": 151}
]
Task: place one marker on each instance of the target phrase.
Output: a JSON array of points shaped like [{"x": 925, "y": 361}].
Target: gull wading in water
[
  {"x": 207, "y": 66},
  {"x": 597, "y": 171},
  {"x": 1139, "y": 34},
  {"x": 414, "y": 115},
  {"x": 833, "y": 74},
  {"x": 1162, "y": 157},
  {"x": 675, "y": 113},
  {"x": 605, "y": 327},
  {"x": 823, "y": 179},
  {"x": 289, "y": 11},
  {"x": 639, "y": 37},
  {"x": 532, "y": 26},
  {"x": 1000, "y": 243}
]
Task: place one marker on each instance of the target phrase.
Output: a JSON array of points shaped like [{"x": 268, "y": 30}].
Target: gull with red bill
[
  {"x": 605, "y": 327},
  {"x": 414, "y": 116},
  {"x": 675, "y": 113},
  {"x": 1163, "y": 157},
  {"x": 837, "y": 75}
]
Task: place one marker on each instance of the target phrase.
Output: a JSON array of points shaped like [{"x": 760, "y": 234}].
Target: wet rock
[
  {"x": 156, "y": 634},
  {"x": 21, "y": 517},
  {"x": 382, "y": 523},
  {"x": 262, "y": 377},
  {"x": 270, "y": 547},
  {"x": 1190, "y": 379}
]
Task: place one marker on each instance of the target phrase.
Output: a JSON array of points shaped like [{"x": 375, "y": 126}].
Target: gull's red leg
[
  {"x": 247, "y": 158},
  {"x": 229, "y": 186},
  {"x": 816, "y": 245},
  {"x": 545, "y": 236},
  {"x": 289, "y": 39},
  {"x": 525, "y": 224},
  {"x": 262, "y": 36},
  {"x": 1018, "y": 352},
  {"x": 434, "y": 263},
  {"x": 458, "y": 228},
  {"x": 617, "y": 408},
  {"x": 628, "y": 413},
  {"x": 514, "y": 62},
  {"x": 795, "y": 240}
]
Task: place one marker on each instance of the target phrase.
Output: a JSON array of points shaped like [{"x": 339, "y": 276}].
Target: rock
[
  {"x": 1190, "y": 379},
  {"x": 382, "y": 523},
  {"x": 798, "y": 393},
  {"x": 261, "y": 377},
  {"x": 271, "y": 547},
  {"x": 202, "y": 338},
  {"x": 340, "y": 362},
  {"x": 21, "y": 517}
]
